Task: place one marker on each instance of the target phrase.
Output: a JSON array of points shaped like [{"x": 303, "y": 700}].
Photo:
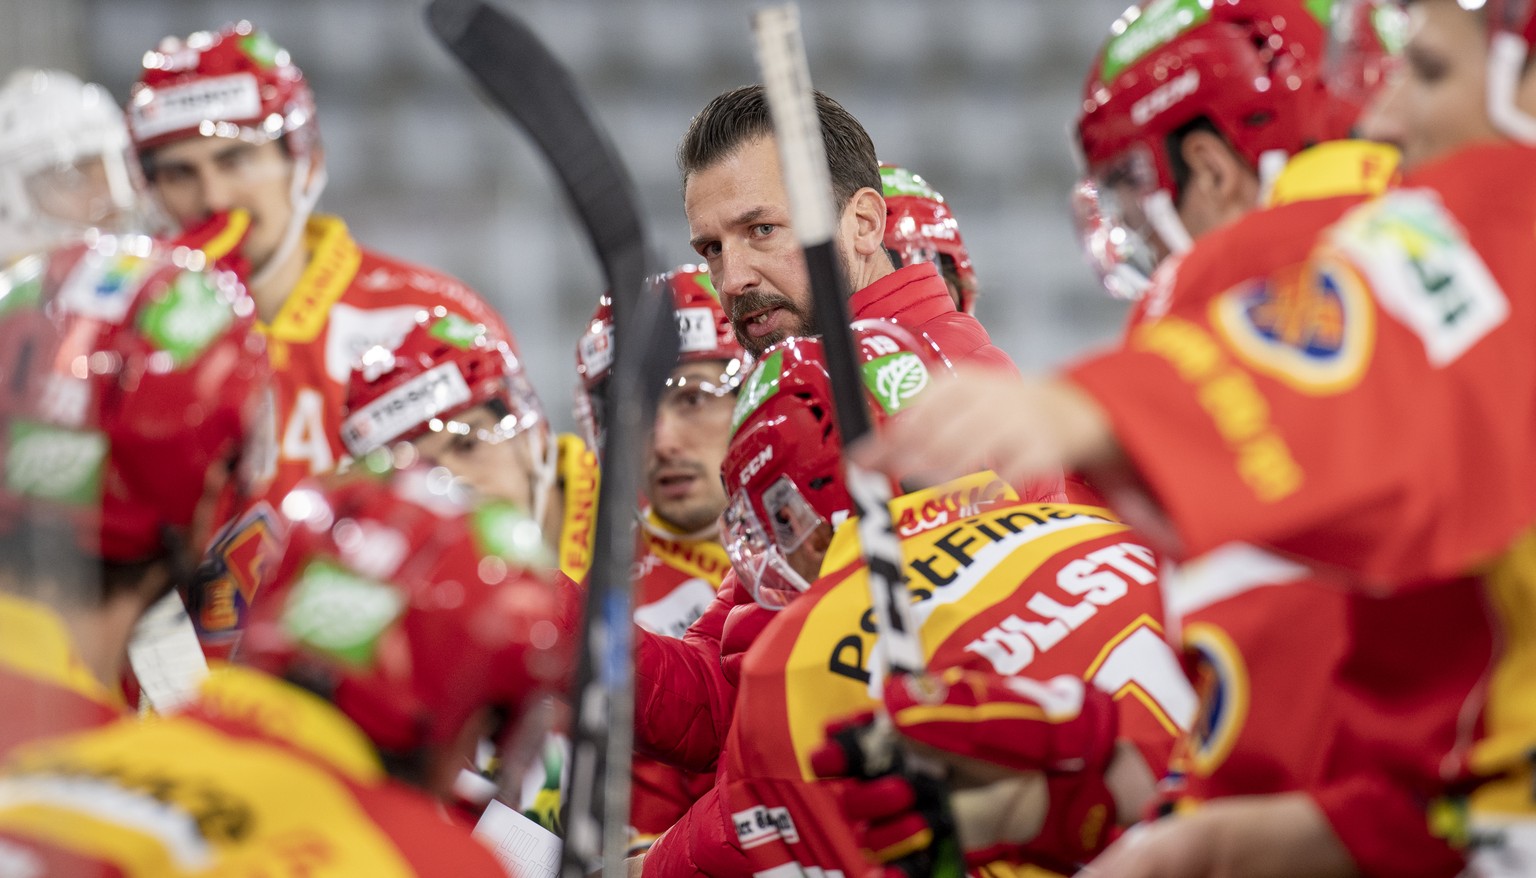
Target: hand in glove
[{"x": 1026, "y": 762}]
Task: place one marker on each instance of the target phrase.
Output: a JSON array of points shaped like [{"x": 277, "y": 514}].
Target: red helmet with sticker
[
  {"x": 919, "y": 227},
  {"x": 444, "y": 366},
  {"x": 407, "y": 606},
  {"x": 1253, "y": 69},
  {"x": 704, "y": 335},
  {"x": 133, "y": 375},
  {"x": 783, "y": 470},
  {"x": 235, "y": 82}
]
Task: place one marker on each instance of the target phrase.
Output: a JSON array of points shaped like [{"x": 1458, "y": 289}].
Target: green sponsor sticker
[
  {"x": 261, "y": 49},
  {"x": 759, "y": 386},
  {"x": 1160, "y": 22},
  {"x": 187, "y": 318},
  {"x": 21, "y": 285},
  {"x": 507, "y": 532},
  {"x": 896, "y": 380},
  {"x": 341, "y": 613},
  {"x": 55, "y": 463},
  {"x": 900, "y": 181},
  {"x": 705, "y": 284},
  {"x": 457, "y": 331}
]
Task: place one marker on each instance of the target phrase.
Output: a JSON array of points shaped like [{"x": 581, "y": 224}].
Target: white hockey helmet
[{"x": 65, "y": 162}]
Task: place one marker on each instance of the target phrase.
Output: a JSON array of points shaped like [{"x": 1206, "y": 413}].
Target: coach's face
[{"x": 738, "y": 221}]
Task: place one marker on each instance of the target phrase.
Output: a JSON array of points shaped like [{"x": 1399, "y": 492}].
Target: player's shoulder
[
  {"x": 430, "y": 838},
  {"x": 381, "y": 274}
]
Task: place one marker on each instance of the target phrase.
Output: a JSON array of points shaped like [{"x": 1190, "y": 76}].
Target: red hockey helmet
[
  {"x": 233, "y": 83},
  {"x": 131, "y": 374},
  {"x": 919, "y": 227},
  {"x": 445, "y": 365},
  {"x": 1253, "y": 69},
  {"x": 410, "y": 608},
  {"x": 784, "y": 469},
  {"x": 704, "y": 333}
]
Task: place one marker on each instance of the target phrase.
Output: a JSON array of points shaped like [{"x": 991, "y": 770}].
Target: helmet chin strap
[
  {"x": 1272, "y": 164},
  {"x": 1164, "y": 218},
  {"x": 546, "y": 469},
  {"x": 302, "y": 195},
  {"x": 1506, "y": 61}
]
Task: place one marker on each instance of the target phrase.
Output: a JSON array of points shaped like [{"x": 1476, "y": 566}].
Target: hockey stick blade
[
  {"x": 518, "y": 74},
  {"x": 531, "y": 86}
]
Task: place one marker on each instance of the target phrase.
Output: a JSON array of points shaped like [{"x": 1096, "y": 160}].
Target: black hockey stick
[
  {"x": 535, "y": 90},
  {"x": 787, "y": 82},
  {"x": 797, "y": 128}
]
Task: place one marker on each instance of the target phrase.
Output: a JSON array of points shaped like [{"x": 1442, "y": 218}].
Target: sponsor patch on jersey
[
  {"x": 1221, "y": 682},
  {"x": 59, "y": 465},
  {"x": 896, "y": 380},
  {"x": 231, "y": 98},
  {"x": 1310, "y": 326},
  {"x": 1423, "y": 271},
  {"x": 102, "y": 285},
  {"x": 341, "y": 613},
  {"x": 762, "y": 384},
  {"x": 233, "y": 569},
  {"x": 760, "y": 824}
]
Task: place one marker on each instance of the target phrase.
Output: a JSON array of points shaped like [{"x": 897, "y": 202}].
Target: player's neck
[{"x": 275, "y": 287}]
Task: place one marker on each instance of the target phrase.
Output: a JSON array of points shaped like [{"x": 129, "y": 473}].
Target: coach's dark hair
[{"x": 741, "y": 115}]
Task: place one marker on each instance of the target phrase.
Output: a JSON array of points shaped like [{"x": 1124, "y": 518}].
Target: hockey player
[
  {"x": 1431, "y": 292},
  {"x": 65, "y": 163},
  {"x": 985, "y": 570},
  {"x": 225, "y": 119},
  {"x": 130, "y": 424},
  {"x": 679, "y": 561},
  {"x": 919, "y": 227},
  {"x": 452, "y": 395},
  {"x": 403, "y": 625},
  {"x": 738, "y": 220}
]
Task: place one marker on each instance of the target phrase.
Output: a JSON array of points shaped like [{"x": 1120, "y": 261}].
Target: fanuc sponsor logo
[{"x": 1165, "y": 97}]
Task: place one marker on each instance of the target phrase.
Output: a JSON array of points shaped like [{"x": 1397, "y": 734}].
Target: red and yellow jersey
[
  {"x": 577, "y": 475},
  {"x": 1018, "y": 589},
  {"x": 674, "y": 578},
  {"x": 1355, "y": 390},
  {"x": 44, "y": 684},
  {"x": 348, "y": 300},
  {"x": 1262, "y": 639},
  {"x": 257, "y": 778}
]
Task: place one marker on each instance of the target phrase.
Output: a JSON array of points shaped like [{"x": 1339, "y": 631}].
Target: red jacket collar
[{"x": 912, "y": 295}]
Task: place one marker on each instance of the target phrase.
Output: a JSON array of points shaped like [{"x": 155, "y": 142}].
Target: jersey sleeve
[{"x": 683, "y": 699}]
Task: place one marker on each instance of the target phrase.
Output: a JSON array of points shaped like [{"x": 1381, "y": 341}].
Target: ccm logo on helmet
[
  {"x": 756, "y": 464},
  {"x": 1164, "y": 97}
]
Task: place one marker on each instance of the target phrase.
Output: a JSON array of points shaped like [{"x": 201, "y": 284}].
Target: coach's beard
[{"x": 791, "y": 321}]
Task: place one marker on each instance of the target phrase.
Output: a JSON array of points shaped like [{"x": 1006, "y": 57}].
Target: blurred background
[{"x": 976, "y": 95}]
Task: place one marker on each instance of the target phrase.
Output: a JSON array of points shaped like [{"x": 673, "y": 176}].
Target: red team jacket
[
  {"x": 256, "y": 778},
  {"x": 674, "y": 579},
  {"x": 1362, "y": 399},
  {"x": 915, "y": 297}
]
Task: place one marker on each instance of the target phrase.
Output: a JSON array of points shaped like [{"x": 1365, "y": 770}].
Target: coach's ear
[{"x": 863, "y": 224}]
